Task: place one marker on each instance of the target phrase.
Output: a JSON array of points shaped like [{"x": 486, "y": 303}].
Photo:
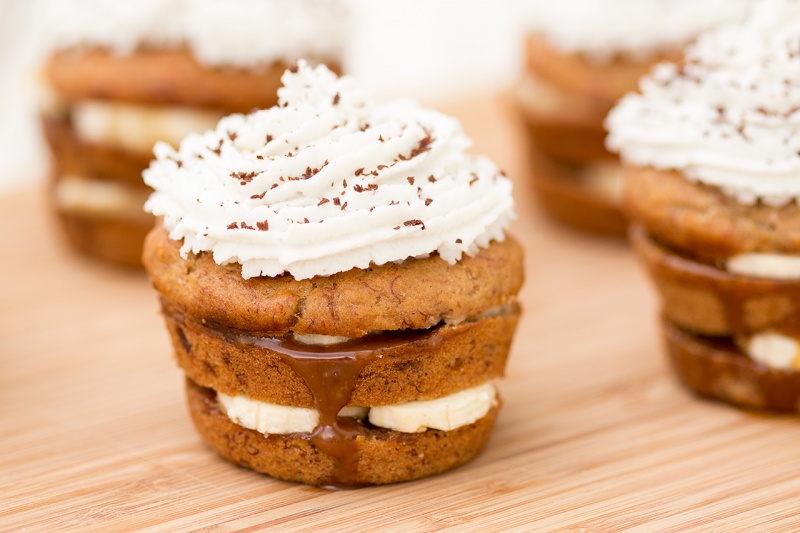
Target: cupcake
[
  {"x": 581, "y": 57},
  {"x": 123, "y": 75},
  {"x": 712, "y": 154},
  {"x": 338, "y": 286}
]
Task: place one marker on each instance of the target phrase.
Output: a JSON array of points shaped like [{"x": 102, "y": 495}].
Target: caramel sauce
[
  {"x": 331, "y": 372},
  {"x": 734, "y": 291}
]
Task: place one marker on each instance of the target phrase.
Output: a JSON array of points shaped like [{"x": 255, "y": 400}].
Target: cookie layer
[
  {"x": 161, "y": 77},
  {"x": 414, "y": 294},
  {"x": 704, "y": 222},
  {"x": 400, "y": 367},
  {"x": 704, "y": 299}
]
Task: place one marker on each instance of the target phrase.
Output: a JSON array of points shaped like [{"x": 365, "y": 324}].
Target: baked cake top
[
  {"x": 326, "y": 181},
  {"x": 728, "y": 116}
]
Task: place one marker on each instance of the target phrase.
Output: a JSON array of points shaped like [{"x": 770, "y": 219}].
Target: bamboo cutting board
[{"x": 595, "y": 435}]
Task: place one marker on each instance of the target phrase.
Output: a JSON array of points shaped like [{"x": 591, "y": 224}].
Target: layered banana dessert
[
  {"x": 338, "y": 284},
  {"x": 123, "y": 75},
  {"x": 581, "y": 57},
  {"x": 712, "y": 150}
]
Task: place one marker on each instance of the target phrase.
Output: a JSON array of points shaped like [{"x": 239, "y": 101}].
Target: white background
[{"x": 427, "y": 49}]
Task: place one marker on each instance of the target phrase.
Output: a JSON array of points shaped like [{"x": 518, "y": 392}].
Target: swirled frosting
[
  {"x": 240, "y": 33},
  {"x": 730, "y": 115},
  {"x": 326, "y": 181},
  {"x": 601, "y": 29}
]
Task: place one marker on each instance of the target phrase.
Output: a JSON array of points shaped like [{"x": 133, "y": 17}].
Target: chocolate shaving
[
  {"x": 269, "y": 138},
  {"x": 428, "y": 202},
  {"x": 370, "y": 187},
  {"x": 410, "y": 180},
  {"x": 414, "y": 222},
  {"x": 323, "y": 201},
  {"x": 263, "y": 226},
  {"x": 337, "y": 202},
  {"x": 336, "y": 99},
  {"x": 244, "y": 177},
  {"x": 423, "y": 146},
  {"x": 233, "y": 225},
  {"x": 431, "y": 179}
]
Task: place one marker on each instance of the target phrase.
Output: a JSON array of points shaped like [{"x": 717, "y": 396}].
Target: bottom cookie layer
[
  {"x": 383, "y": 456},
  {"x": 717, "y": 368}
]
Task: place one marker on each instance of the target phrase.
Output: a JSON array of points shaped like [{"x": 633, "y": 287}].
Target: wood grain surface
[{"x": 595, "y": 435}]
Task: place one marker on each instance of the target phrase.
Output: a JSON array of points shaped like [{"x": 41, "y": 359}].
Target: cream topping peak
[
  {"x": 730, "y": 115},
  {"x": 326, "y": 181}
]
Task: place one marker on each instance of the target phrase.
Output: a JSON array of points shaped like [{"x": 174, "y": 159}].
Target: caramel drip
[
  {"x": 734, "y": 291},
  {"x": 331, "y": 372}
]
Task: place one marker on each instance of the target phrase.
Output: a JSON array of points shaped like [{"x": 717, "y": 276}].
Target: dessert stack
[
  {"x": 582, "y": 56},
  {"x": 712, "y": 154},
  {"x": 338, "y": 284}
]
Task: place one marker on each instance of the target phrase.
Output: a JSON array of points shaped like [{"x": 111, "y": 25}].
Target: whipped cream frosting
[
  {"x": 729, "y": 116},
  {"x": 601, "y": 29},
  {"x": 240, "y": 33},
  {"x": 326, "y": 181}
]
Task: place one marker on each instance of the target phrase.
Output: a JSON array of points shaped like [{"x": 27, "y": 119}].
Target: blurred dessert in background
[
  {"x": 581, "y": 57},
  {"x": 712, "y": 182},
  {"x": 123, "y": 75}
]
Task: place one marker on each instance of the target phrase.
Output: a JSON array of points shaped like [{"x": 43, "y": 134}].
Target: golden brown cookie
[
  {"x": 158, "y": 77},
  {"x": 702, "y": 221},
  {"x": 414, "y": 294}
]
